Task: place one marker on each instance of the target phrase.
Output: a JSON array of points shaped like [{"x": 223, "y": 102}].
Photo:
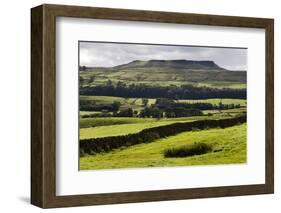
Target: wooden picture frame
[{"x": 43, "y": 105}]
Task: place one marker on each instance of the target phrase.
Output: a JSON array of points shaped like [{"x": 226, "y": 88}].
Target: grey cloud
[{"x": 100, "y": 54}]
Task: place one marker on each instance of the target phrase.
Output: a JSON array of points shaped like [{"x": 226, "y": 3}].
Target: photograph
[
  {"x": 161, "y": 105},
  {"x": 140, "y": 105}
]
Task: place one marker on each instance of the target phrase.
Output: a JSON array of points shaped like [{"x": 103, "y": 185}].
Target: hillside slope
[{"x": 176, "y": 72}]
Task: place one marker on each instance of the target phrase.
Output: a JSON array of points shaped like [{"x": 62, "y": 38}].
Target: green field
[
  {"x": 217, "y": 101},
  {"x": 138, "y": 101},
  {"x": 104, "y": 127},
  {"x": 108, "y": 121},
  {"x": 112, "y": 126},
  {"x": 229, "y": 148}
]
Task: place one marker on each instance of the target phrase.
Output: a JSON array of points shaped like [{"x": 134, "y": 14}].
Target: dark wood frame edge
[{"x": 43, "y": 172}]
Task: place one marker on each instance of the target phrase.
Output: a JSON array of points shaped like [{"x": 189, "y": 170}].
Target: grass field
[
  {"x": 217, "y": 101},
  {"x": 129, "y": 125},
  {"x": 229, "y": 146},
  {"x": 108, "y": 121},
  {"x": 138, "y": 101},
  {"x": 230, "y": 142},
  {"x": 111, "y": 99},
  {"x": 112, "y": 126}
]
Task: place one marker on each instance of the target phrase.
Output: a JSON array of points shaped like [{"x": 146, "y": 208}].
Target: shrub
[{"x": 188, "y": 150}]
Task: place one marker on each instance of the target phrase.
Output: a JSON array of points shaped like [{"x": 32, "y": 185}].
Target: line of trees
[
  {"x": 174, "y": 112},
  {"x": 163, "y": 108},
  {"x": 171, "y": 92},
  {"x": 168, "y": 108},
  {"x": 163, "y": 103},
  {"x": 89, "y": 105}
]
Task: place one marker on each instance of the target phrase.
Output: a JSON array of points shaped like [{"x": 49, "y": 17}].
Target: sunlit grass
[{"x": 231, "y": 143}]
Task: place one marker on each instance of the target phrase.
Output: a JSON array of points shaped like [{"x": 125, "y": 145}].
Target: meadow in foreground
[{"x": 229, "y": 148}]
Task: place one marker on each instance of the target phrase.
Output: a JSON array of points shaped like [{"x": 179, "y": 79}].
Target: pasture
[
  {"x": 229, "y": 145},
  {"x": 105, "y": 127},
  {"x": 164, "y": 76},
  {"x": 229, "y": 148}
]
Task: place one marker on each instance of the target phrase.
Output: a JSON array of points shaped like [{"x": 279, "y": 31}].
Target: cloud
[{"x": 100, "y": 54}]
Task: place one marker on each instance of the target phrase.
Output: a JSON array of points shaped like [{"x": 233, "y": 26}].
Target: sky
[{"x": 98, "y": 54}]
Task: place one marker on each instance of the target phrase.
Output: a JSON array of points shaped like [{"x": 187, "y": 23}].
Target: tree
[
  {"x": 92, "y": 79},
  {"x": 109, "y": 82},
  {"x": 116, "y": 105},
  {"x": 126, "y": 113},
  {"x": 136, "y": 113},
  {"x": 156, "y": 113},
  {"x": 120, "y": 84},
  {"x": 145, "y": 101},
  {"x": 145, "y": 112},
  {"x": 220, "y": 105},
  {"x": 82, "y": 68},
  {"x": 172, "y": 93},
  {"x": 139, "y": 77},
  {"x": 81, "y": 80}
]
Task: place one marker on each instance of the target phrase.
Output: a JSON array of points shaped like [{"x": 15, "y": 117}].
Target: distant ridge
[{"x": 177, "y": 64}]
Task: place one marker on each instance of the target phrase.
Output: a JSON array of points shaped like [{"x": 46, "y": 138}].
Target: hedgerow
[{"x": 106, "y": 144}]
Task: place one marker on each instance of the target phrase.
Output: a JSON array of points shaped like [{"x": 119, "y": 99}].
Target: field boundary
[{"x": 97, "y": 145}]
